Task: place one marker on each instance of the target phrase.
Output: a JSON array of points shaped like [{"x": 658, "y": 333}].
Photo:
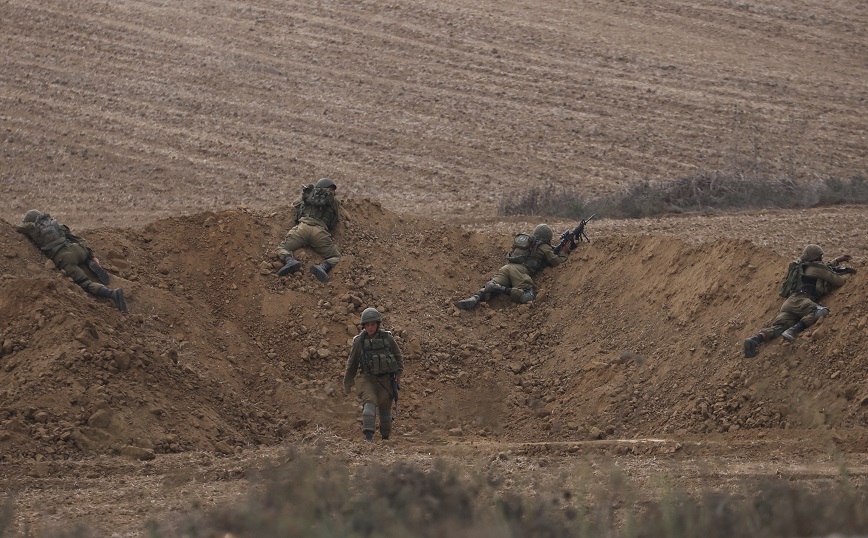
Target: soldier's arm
[
  {"x": 352, "y": 365},
  {"x": 298, "y": 206},
  {"x": 551, "y": 258},
  {"x": 824, "y": 273},
  {"x": 69, "y": 235}
]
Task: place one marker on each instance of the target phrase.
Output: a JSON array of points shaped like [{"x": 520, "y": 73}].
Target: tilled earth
[{"x": 175, "y": 135}]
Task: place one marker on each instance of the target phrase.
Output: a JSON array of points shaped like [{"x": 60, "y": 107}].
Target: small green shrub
[
  {"x": 547, "y": 199},
  {"x": 704, "y": 191}
]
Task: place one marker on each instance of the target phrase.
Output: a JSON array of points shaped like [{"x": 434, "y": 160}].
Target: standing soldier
[
  {"x": 809, "y": 279},
  {"x": 530, "y": 255},
  {"x": 68, "y": 251},
  {"x": 316, "y": 216},
  {"x": 377, "y": 355}
]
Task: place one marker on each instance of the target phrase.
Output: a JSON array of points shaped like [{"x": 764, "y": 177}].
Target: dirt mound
[{"x": 635, "y": 336}]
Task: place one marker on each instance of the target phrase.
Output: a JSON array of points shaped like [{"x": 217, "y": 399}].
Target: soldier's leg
[
  {"x": 493, "y": 289},
  {"x": 68, "y": 260},
  {"x": 522, "y": 285},
  {"x": 485, "y": 293},
  {"x": 472, "y": 301},
  {"x": 368, "y": 396},
  {"x": 324, "y": 245},
  {"x": 94, "y": 265},
  {"x": 809, "y": 312},
  {"x": 116, "y": 295},
  {"x": 786, "y": 318},
  {"x": 384, "y": 407},
  {"x": 294, "y": 239},
  {"x": 500, "y": 284},
  {"x": 780, "y": 324},
  {"x": 369, "y": 420}
]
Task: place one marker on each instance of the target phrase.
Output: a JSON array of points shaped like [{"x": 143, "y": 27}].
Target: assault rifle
[
  {"x": 395, "y": 388},
  {"x": 570, "y": 236}
]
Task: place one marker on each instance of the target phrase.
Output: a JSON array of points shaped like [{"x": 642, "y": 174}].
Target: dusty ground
[{"x": 174, "y": 136}]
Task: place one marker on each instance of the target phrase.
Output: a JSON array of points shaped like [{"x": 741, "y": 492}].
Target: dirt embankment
[{"x": 636, "y": 336}]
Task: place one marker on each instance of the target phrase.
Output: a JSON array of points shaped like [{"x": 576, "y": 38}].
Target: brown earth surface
[{"x": 175, "y": 135}]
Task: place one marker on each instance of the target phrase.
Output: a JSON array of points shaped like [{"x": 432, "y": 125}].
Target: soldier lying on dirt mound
[
  {"x": 808, "y": 280},
  {"x": 530, "y": 255},
  {"x": 68, "y": 251},
  {"x": 377, "y": 355},
  {"x": 315, "y": 218}
]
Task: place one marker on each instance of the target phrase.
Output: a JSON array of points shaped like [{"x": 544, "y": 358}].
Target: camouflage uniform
[
  {"x": 68, "y": 251},
  {"x": 313, "y": 228},
  {"x": 377, "y": 359},
  {"x": 800, "y": 310},
  {"x": 516, "y": 279},
  {"x": 518, "y": 276}
]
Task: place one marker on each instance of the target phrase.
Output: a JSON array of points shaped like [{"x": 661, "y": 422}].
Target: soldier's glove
[{"x": 843, "y": 258}]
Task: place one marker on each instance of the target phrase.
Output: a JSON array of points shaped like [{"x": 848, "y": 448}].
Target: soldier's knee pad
[
  {"x": 369, "y": 418},
  {"x": 522, "y": 296}
]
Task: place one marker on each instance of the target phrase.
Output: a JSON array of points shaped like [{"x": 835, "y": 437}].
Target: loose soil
[{"x": 174, "y": 136}]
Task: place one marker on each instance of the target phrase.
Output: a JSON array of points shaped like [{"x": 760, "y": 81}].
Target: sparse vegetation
[
  {"x": 705, "y": 191},
  {"x": 309, "y": 499}
]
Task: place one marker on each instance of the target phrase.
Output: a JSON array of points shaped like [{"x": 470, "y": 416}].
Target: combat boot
[
  {"x": 321, "y": 271},
  {"x": 116, "y": 295},
  {"x": 752, "y": 344},
  {"x": 791, "y": 333},
  {"x": 101, "y": 274},
  {"x": 369, "y": 435},
  {"x": 292, "y": 265},
  {"x": 469, "y": 303}
]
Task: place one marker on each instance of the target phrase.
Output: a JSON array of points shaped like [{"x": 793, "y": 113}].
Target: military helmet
[
  {"x": 371, "y": 314},
  {"x": 543, "y": 232},
  {"x": 32, "y": 215},
  {"x": 326, "y": 183},
  {"x": 812, "y": 253}
]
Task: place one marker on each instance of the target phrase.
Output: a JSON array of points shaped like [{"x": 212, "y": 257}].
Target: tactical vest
[
  {"x": 377, "y": 357},
  {"x": 534, "y": 260},
  {"x": 318, "y": 203},
  {"x": 813, "y": 286},
  {"x": 48, "y": 234},
  {"x": 46, "y": 230}
]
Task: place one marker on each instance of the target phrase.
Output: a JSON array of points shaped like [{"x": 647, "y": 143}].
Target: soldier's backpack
[
  {"x": 317, "y": 196},
  {"x": 317, "y": 203},
  {"x": 791, "y": 282},
  {"x": 523, "y": 245}
]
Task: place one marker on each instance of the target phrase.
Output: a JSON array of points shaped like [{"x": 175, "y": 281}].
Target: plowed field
[{"x": 175, "y": 135}]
